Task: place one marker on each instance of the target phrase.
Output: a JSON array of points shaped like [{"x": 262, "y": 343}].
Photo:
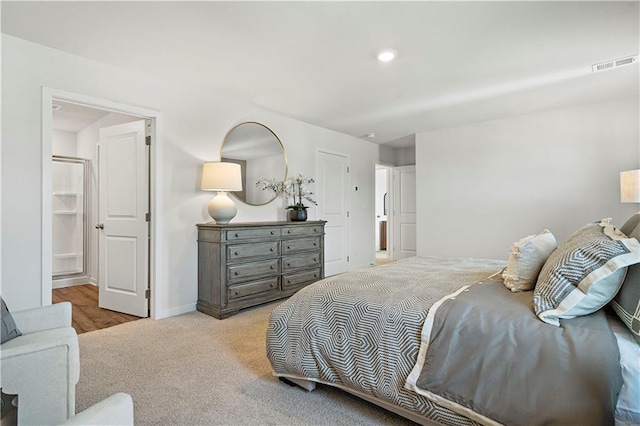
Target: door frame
[
  {"x": 389, "y": 167},
  {"x": 156, "y": 282}
]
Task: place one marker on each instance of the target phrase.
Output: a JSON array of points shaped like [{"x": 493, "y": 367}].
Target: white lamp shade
[
  {"x": 219, "y": 176},
  {"x": 630, "y": 186}
]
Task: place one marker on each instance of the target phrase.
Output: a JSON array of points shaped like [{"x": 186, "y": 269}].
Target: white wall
[
  {"x": 405, "y": 156},
  {"x": 397, "y": 156},
  {"x": 387, "y": 155},
  {"x": 63, "y": 143},
  {"x": 195, "y": 123},
  {"x": 483, "y": 186}
]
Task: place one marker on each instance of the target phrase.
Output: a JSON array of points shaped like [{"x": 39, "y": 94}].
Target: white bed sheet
[{"x": 628, "y": 408}]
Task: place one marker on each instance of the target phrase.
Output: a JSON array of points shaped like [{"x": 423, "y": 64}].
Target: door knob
[{"x": 100, "y": 226}]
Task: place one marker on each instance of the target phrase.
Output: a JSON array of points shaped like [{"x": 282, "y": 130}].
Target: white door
[
  {"x": 333, "y": 206},
  {"x": 123, "y": 229},
  {"x": 404, "y": 212}
]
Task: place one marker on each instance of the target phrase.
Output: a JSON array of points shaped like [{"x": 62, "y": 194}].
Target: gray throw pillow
[
  {"x": 627, "y": 302},
  {"x": 9, "y": 328}
]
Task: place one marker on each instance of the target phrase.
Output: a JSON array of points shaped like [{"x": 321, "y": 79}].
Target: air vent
[
  {"x": 614, "y": 64},
  {"x": 56, "y": 107}
]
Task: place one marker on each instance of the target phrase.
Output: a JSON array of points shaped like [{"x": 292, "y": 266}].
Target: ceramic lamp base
[{"x": 222, "y": 208}]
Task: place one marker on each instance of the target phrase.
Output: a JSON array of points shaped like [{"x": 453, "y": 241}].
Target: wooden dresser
[{"x": 245, "y": 264}]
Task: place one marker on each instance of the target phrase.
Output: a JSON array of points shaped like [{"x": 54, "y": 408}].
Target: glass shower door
[{"x": 69, "y": 205}]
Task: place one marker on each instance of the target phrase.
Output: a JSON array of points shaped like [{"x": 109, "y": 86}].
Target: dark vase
[{"x": 297, "y": 215}]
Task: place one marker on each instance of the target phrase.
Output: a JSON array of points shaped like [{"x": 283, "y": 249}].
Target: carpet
[{"x": 193, "y": 369}]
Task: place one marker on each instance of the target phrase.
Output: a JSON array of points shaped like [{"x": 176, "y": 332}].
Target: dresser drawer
[
  {"x": 242, "y": 251},
  {"x": 253, "y": 287},
  {"x": 292, "y": 280},
  {"x": 301, "y": 230},
  {"x": 297, "y": 262},
  {"x": 246, "y": 234},
  {"x": 241, "y": 272},
  {"x": 292, "y": 246}
]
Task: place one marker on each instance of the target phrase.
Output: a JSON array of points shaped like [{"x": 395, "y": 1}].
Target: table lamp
[
  {"x": 221, "y": 177},
  {"x": 630, "y": 186}
]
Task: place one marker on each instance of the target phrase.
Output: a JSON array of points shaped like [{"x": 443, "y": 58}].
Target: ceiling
[
  {"x": 457, "y": 62},
  {"x": 70, "y": 117}
]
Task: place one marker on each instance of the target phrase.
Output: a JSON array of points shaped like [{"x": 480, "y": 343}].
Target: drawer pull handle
[
  {"x": 288, "y": 264},
  {"x": 315, "y": 244},
  {"x": 271, "y": 249},
  {"x": 237, "y": 235},
  {"x": 271, "y": 266},
  {"x": 315, "y": 259},
  {"x": 315, "y": 230},
  {"x": 271, "y": 285},
  {"x": 289, "y": 231},
  {"x": 236, "y": 273},
  {"x": 273, "y": 233},
  {"x": 315, "y": 275},
  {"x": 237, "y": 293},
  {"x": 288, "y": 247},
  {"x": 237, "y": 253},
  {"x": 288, "y": 281}
]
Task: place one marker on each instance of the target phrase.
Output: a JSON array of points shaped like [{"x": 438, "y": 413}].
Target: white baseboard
[
  {"x": 361, "y": 266},
  {"x": 178, "y": 310},
  {"x": 70, "y": 282}
]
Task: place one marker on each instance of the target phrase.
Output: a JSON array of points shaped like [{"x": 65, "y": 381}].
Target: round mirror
[{"x": 260, "y": 154}]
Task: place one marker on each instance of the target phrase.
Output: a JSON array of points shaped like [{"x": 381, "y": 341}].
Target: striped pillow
[
  {"x": 627, "y": 301},
  {"x": 584, "y": 273}
]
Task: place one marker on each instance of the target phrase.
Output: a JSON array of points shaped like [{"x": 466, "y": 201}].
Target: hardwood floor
[
  {"x": 382, "y": 257},
  {"x": 86, "y": 315}
]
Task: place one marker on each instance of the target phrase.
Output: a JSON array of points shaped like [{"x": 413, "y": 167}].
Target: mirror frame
[{"x": 284, "y": 154}]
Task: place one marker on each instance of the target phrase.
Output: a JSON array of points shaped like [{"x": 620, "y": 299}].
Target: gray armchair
[{"x": 42, "y": 366}]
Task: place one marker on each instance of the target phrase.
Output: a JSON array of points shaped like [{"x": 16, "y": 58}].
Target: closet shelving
[
  {"x": 66, "y": 203},
  {"x": 69, "y": 222}
]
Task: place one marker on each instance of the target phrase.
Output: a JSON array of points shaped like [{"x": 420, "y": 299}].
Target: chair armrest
[
  {"x": 115, "y": 410},
  {"x": 43, "y": 368},
  {"x": 40, "y": 341},
  {"x": 44, "y": 318}
]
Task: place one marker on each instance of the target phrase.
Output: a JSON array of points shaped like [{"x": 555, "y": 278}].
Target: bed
[{"x": 368, "y": 331}]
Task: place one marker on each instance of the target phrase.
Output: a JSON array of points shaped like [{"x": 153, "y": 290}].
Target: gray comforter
[
  {"x": 361, "y": 330},
  {"x": 486, "y": 355}
]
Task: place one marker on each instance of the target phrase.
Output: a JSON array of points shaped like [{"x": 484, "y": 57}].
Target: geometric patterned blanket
[{"x": 361, "y": 330}]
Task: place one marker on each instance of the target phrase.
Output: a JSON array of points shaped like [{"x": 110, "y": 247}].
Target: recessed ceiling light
[
  {"x": 371, "y": 135},
  {"x": 387, "y": 55}
]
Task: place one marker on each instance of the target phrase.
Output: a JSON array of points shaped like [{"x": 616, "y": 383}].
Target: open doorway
[
  {"x": 382, "y": 225},
  {"x": 90, "y": 263}
]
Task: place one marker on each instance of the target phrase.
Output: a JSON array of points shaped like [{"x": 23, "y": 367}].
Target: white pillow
[
  {"x": 584, "y": 273},
  {"x": 526, "y": 258}
]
